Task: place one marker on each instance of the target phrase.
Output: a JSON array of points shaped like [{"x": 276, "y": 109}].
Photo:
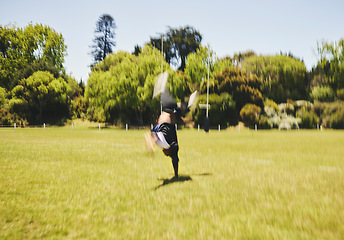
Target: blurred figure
[{"x": 164, "y": 134}]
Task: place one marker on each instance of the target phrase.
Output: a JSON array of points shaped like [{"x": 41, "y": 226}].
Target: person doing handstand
[{"x": 164, "y": 134}]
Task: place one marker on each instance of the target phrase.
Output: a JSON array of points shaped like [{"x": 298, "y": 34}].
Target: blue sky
[{"x": 266, "y": 27}]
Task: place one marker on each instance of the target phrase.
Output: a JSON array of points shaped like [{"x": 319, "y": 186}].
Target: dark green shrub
[
  {"x": 327, "y": 110},
  {"x": 222, "y": 110},
  {"x": 244, "y": 87},
  {"x": 8, "y": 118},
  {"x": 340, "y": 94},
  {"x": 245, "y": 94},
  {"x": 78, "y": 107},
  {"x": 264, "y": 122},
  {"x": 309, "y": 119},
  {"x": 337, "y": 119},
  {"x": 249, "y": 114}
]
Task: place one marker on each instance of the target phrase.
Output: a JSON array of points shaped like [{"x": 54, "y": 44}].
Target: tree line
[
  {"x": 34, "y": 87},
  {"x": 260, "y": 90}
]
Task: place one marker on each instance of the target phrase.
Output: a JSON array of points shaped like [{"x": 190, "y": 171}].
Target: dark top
[{"x": 170, "y": 134}]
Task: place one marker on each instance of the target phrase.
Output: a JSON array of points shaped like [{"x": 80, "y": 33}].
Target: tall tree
[
  {"x": 330, "y": 68},
  {"x": 34, "y": 45},
  {"x": 104, "y": 37},
  {"x": 178, "y": 44}
]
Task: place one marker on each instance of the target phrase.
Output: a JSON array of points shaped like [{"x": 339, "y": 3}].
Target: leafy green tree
[
  {"x": 103, "y": 41},
  {"x": 41, "y": 97},
  {"x": 163, "y": 42},
  {"x": 330, "y": 68},
  {"x": 283, "y": 77},
  {"x": 37, "y": 65},
  {"x": 35, "y": 46},
  {"x": 196, "y": 69},
  {"x": 46, "y": 44},
  {"x": 178, "y": 44},
  {"x": 120, "y": 88},
  {"x": 3, "y": 97},
  {"x": 11, "y": 58},
  {"x": 179, "y": 85}
]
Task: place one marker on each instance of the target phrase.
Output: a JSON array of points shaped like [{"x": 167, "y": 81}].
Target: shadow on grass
[
  {"x": 202, "y": 174},
  {"x": 167, "y": 181},
  {"x": 181, "y": 178}
]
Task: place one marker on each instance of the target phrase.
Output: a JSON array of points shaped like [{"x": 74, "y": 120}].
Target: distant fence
[{"x": 128, "y": 127}]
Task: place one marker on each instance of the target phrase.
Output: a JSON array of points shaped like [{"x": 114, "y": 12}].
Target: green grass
[{"x": 92, "y": 184}]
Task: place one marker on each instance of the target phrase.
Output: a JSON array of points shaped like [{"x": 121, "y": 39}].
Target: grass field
[{"x": 93, "y": 184}]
